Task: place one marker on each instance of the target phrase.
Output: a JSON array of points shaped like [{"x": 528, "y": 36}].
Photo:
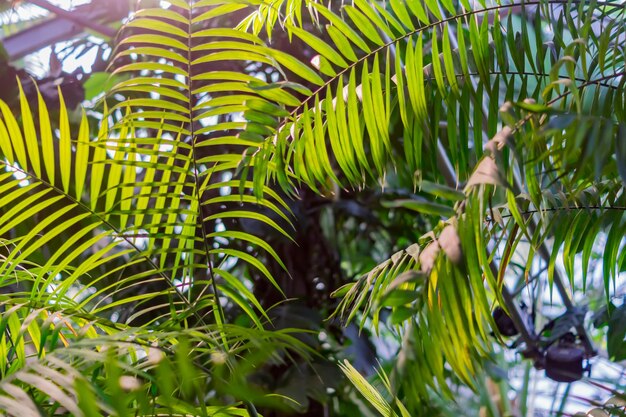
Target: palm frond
[
  {"x": 44, "y": 196},
  {"x": 132, "y": 371},
  {"x": 400, "y": 81},
  {"x": 371, "y": 394},
  {"x": 206, "y": 120}
]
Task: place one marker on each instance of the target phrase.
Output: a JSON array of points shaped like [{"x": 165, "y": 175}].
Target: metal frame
[
  {"x": 66, "y": 25},
  {"x": 73, "y": 17}
]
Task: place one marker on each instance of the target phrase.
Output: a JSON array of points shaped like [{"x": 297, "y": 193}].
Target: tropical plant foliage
[
  {"x": 123, "y": 252},
  {"x": 418, "y": 77}
]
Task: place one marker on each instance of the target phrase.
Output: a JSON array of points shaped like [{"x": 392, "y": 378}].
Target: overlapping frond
[
  {"x": 209, "y": 123},
  {"x": 437, "y": 298},
  {"x": 144, "y": 226},
  {"x": 57, "y": 199},
  {"x": 131, "y": 372},
  {"x": 272, "y": 13},
  {"x": 406, "y": 87},
  {"x": 161, "y": 209},
  {"x": 430, "y": 67},
  {"x": 577, "y": 223}
]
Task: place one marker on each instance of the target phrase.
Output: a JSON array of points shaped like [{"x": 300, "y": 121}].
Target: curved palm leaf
[
  {"x": 402, "y": 82},
  {"x": 132, "y": 371},
  {"x": 206, "y": 120}
]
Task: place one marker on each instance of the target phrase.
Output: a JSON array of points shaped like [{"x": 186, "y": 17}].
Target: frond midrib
[
  {"x": 390, "y": 43},
  {"x": 102, "y": 221}
]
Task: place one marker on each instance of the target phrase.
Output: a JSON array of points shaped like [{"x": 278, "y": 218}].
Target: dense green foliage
[{"x": 146, "y": 261}]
